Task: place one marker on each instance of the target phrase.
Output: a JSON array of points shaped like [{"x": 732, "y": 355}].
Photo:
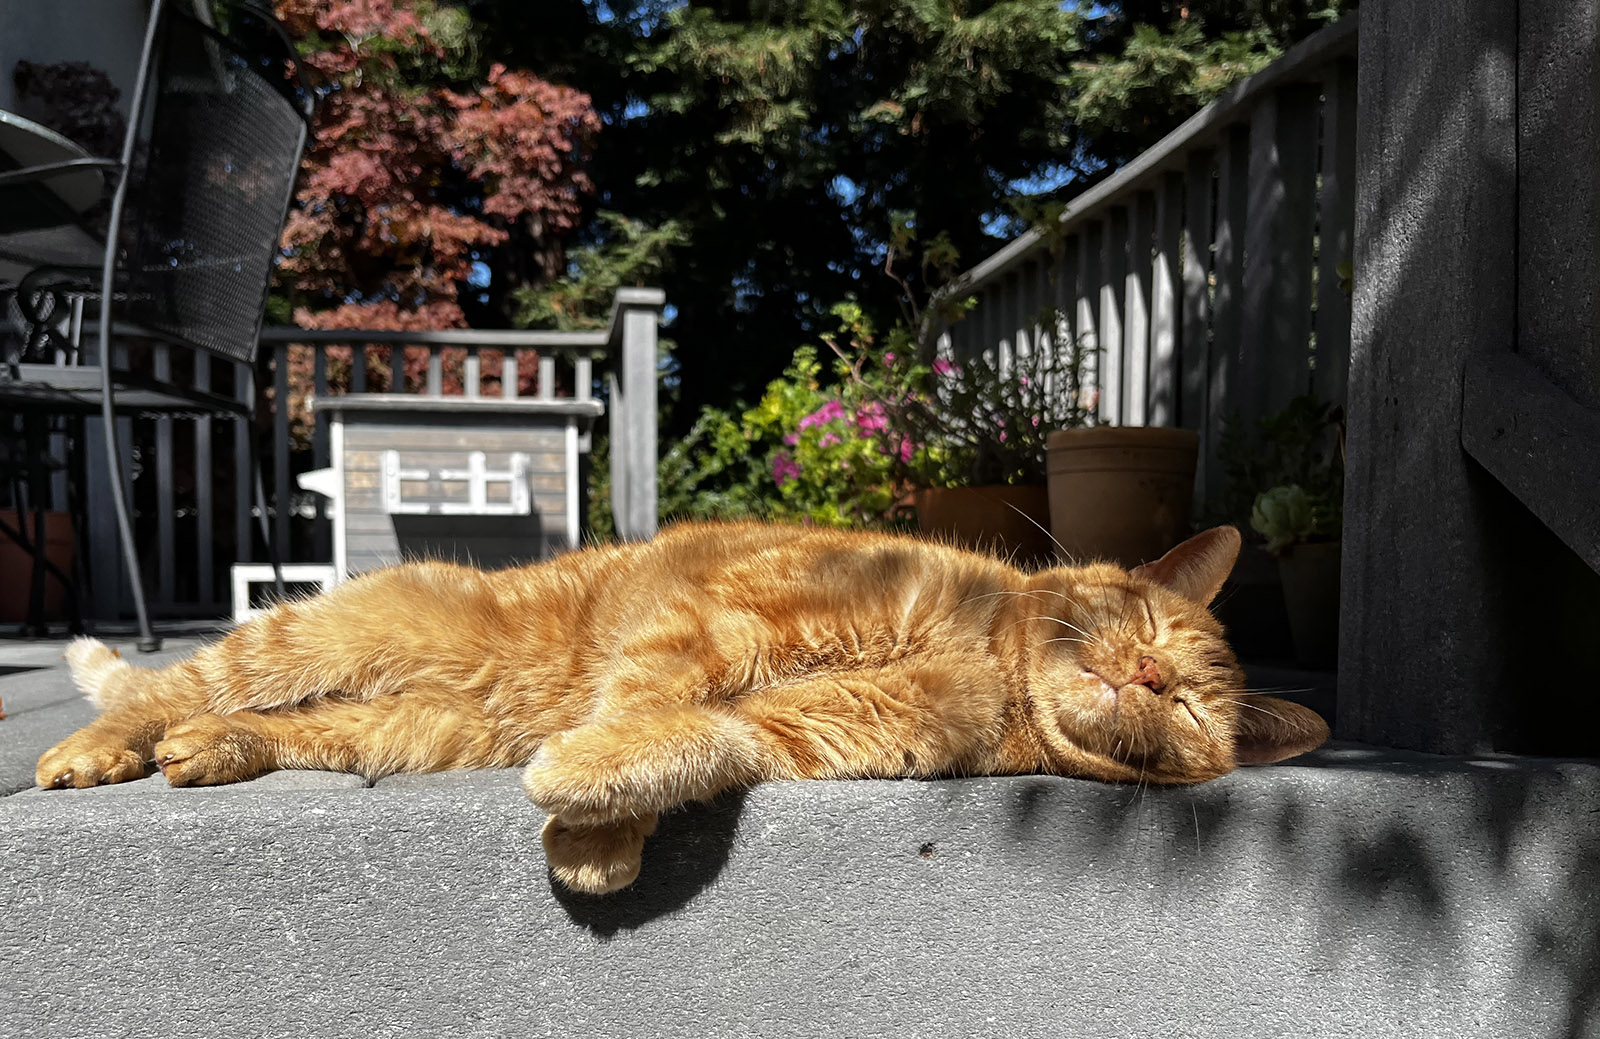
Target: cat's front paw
[
  {"x": 71, "y": 763},
  {"x": 569, "y": 784},
  {"x": 595, "y": 860},
  {"x": 641, "y": 763},
  {"x": 208, "y": 750}
]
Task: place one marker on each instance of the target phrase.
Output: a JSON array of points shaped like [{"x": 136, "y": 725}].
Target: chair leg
[
  {"x": 36, "y": 487},
  {"x": 148, "y": 643},
  {"x": 266, "y": 528},
  {"x": 266, "y": 533}
]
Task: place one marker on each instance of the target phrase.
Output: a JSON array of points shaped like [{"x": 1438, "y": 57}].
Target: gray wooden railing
[
  {"x": 192, "y": 478},
  {"x": 490, "y": 362},
  {"x": 1204, "y": 275}
]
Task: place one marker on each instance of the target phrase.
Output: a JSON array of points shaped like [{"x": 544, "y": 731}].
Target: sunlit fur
[{"x": 632, "y": 678}]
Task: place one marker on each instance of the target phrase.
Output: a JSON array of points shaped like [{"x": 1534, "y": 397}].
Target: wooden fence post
[{"x": 635, "y": 318}]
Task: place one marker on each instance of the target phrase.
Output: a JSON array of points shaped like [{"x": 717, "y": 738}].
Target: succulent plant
[{"x": 1285, "y": 515}]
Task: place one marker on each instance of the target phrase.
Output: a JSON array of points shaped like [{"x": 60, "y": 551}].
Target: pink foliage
[
  {"x": 823, "y": 415},
  {"x": 784, "y": 468},
  {"x": 372, "y": 228}
]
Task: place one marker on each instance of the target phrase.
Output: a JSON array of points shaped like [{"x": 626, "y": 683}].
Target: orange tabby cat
[{"x": 632, "y": 678}]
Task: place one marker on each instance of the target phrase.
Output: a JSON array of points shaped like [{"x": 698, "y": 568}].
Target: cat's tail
[{"x": 99, "y": 671}]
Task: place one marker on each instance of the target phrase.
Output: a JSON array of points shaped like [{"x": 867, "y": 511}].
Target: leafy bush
[
  {"x": 803, "y": 452},
  {"x": 973, "y": 421},
  {"x": 844, "y": 451}
]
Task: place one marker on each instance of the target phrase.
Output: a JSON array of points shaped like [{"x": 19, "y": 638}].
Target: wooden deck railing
[
  {"x": 192, "y": 476},
  {"x": 1204, "y": 275}
]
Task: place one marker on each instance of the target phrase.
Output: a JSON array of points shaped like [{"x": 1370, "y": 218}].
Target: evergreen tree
[{"x": 778, "y": 141}]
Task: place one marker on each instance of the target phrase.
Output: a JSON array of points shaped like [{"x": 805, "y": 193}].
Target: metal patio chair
[{"x": 219, "y": 119}]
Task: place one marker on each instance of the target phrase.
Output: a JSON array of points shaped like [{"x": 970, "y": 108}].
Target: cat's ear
[
  {"x": 1196, "y": 568},
  {"x": 1269, "y": 729}
]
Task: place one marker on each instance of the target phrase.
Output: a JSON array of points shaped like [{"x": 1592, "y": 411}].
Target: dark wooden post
[{"x": 1425, "y": 621}]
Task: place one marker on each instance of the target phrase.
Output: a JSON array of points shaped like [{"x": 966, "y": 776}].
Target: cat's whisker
[
  {"x": 1059, "y": 594},
  {"x": 1069, "y": 624},
  {"x": 1059, "y": 546},
  {"x": 1067, "y": 638},
  {"x": 1057, "y": 620},
  {"x": 1077, "y": 629}
]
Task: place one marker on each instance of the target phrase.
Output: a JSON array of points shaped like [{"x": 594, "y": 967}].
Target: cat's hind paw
[
  {"x": 208, "y": 750},
  {"x": 67, "y": 765},
  {"x": 595, "y": 860},
  {"x": 94, "y": 665}
]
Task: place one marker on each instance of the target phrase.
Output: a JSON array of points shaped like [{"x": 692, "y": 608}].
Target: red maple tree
[{"x": 415, "y": 174}]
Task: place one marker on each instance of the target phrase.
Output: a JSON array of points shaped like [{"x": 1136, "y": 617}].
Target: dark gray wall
[{"x": 1473, "y": 498}]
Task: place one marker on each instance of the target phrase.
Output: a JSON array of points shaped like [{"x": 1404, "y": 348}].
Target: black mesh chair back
[
  {"x": 219, "y": 120},
  {"x": 213, "y": 158}
]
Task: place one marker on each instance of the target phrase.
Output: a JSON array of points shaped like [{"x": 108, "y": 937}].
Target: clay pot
[
  {"x": 1120, "y": 492},
  {"x": 16, "y": 568},
  {"x": 1310, "y": 573},
  {"x": 1011, "y": 522},
  {"x": 1250, "y": 606}
]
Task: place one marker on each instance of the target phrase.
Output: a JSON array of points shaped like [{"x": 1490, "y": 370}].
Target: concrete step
[{"x": 1356, "y": 892}]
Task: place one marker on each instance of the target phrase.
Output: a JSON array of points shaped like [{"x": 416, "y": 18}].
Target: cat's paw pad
[
  {"x": 69, "y": 765},
  {"x": 595, "y": 860},
  {"x": 92, "y": 664},
  {"x": 208, "y": 750}
]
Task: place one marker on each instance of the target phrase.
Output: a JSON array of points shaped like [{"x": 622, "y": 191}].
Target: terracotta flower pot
[
  {"x": 1120, "y": 492},
  {"x": 16, "y": 568},
  {"x": 1008, "y": 521}
]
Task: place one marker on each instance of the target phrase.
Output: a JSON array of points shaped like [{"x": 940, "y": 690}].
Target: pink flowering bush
[
  {"x": 949, "y": 423},
  {"x": 844, "y": 451},
  {"x": 807, "y": 451}
]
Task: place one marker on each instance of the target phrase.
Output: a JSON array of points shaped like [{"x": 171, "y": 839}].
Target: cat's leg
[
  {"x": 370, "y": 636},
  {"x": 347, "y": 641},
  {"x": 421, "y": 730},
  {"x": 137, "y": 705},
  {"x": 635, "y": 764},
  {"x": 916, "y": 717}
]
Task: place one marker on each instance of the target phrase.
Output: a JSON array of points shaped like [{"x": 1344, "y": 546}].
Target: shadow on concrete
[
  {"x": 681, "y": 859},
  {"x": 1464, "y": 863}
]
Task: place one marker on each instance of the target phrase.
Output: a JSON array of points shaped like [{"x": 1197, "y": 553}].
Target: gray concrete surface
[{"x": 1357, "y": 892}]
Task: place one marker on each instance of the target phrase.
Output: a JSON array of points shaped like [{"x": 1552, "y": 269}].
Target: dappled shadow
[
  {"x": 1482, "y": 872},
  {"x": 1491, "y": 858}
]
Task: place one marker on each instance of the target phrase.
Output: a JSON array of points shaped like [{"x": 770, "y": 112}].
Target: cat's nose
[{"x": 1149, "y": 675}]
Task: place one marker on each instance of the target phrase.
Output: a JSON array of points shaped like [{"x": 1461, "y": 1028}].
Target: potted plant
[
  {"x": 966, "y": 436},
  {"x": 1302, "y": 531},
  {"x": 1121, "y": 492},
  {"x": 1285, "y": 482}
]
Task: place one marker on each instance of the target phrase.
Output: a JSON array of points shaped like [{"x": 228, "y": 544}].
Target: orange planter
[
  {"x": 16, "y": 568},
  {"x": 1120, "y": 492},
  {"x": 1008, "y": 521}
]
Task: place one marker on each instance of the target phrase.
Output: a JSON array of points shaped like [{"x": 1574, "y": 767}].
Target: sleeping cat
[{"x": 632, "y": 678}]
